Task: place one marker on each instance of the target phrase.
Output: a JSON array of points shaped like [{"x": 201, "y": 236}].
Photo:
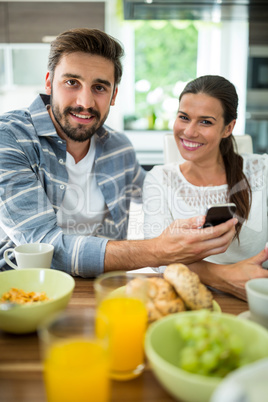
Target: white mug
[
  {"x": 257, "y": 294},
  {"x": 31, "y": 255}
]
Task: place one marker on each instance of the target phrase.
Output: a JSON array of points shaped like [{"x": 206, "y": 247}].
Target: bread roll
[
  {"x": 188, "y": 286},
  {"x": 162, "y": 298}
]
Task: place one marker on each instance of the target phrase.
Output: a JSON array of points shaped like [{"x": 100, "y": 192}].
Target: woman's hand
[
  {"x": 232, "y": 278},
  {"x": 241, "y": 272}
]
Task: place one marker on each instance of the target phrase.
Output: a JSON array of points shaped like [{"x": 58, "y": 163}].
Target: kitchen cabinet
[
  {"x": 29, "y": 22},
  {"x": 257, "y": 127}
]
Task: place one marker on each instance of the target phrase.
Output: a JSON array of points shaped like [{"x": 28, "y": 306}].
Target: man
[{"x": 67, "y": 179}]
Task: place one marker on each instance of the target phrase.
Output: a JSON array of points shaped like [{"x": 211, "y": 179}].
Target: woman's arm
[{"x": 232, "y": 278}]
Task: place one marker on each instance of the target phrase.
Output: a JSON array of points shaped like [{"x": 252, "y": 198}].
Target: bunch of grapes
[{"x": 210, "y": 348}]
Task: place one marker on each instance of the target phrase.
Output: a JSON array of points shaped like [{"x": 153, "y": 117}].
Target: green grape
[
  {"x": 209, "y": 360},
  {"x": 209, "y": 346},
  {"x": 189, "y": 360},
  {"x": 202, "y": 345},
  {"x": 199, "y": 332}
]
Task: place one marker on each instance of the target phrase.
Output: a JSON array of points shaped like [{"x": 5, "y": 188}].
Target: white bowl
[
  {"x": 257, "y": 294},
  {"x": 248, "y": 383}
]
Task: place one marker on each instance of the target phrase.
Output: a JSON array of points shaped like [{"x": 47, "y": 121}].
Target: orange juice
[
  {"x": 77, "y": 371},
  {"x": 128, "y": 319}
]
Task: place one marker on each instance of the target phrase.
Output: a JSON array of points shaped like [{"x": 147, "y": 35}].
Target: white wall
[
  {"x": 125, "y": 101},
  {"x": 223, "y": 50}
]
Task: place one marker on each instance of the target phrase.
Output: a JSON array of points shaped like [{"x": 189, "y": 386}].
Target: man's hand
[{"x": 184, "y": 241}]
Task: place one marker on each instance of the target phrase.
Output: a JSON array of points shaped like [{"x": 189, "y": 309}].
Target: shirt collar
[{"x": 40, "y": 117}]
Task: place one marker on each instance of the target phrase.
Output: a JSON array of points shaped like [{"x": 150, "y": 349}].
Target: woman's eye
[
  {"x": 207, "y": 122},
  {"x": 100, "y": 88},
  {"x": 182, "y": 117}
]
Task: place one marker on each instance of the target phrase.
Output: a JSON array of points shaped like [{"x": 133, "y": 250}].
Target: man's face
[{"x": 81, "y": 92}]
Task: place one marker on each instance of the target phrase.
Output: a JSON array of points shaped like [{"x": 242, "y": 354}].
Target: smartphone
[{"x": 219, "y": 213}]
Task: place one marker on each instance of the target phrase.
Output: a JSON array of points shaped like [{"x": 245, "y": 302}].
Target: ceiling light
[{"x": 48, "y": 38}]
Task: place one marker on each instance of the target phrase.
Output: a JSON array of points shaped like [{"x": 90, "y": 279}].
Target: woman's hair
[
  {"x": 92, "y": 41},
  {"x": 239, "y": 190}
]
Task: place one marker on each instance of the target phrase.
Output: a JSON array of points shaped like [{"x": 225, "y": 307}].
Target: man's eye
[
  {"x": 182, "y": 117},
  {"x": 207, "y": 122},
  {"x": 71, "y": 83}
]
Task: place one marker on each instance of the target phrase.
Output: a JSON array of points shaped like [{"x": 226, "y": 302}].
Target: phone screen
[{"x": 219, "y": 213}]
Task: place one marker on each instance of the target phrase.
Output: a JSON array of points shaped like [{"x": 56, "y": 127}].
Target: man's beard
[{"x": 80, "y": 133}]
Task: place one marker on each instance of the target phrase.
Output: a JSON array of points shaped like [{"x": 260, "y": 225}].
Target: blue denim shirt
[{"x": 33, "y": 180}]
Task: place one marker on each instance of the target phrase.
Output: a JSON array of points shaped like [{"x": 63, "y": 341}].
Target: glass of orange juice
[
  {"x": 124, "y": 306},
  {"x": 76, "y": 359}
]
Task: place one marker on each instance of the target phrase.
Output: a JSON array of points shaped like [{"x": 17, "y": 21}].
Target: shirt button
[
  {"x": 61, "y": 161},
  {"x": 59, "y": 142},
  {"x": 62, "y": 187}
]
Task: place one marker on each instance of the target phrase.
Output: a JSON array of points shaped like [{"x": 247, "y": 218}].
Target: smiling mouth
[
  {"x": 82, "y": 116},
  {"x": 190, "y": 144}
]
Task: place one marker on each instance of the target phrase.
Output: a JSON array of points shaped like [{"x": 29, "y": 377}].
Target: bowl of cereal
[
  {"x": 191, "y": 352},
  {"x": 35, "y": 294}
]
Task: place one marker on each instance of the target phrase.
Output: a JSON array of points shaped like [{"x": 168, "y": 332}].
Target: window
[
  {"x": 22, "y": 74},
  {"x": 29, "y": 65},
  {"x": 165, "y": 59},
  {"x": 2, "y": 68}
]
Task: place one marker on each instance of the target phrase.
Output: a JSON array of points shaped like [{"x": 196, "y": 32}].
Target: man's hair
[{"x": 92, "y": 41}]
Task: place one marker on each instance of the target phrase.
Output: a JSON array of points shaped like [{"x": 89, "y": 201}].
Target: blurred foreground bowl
[
  {"x": 163, "y": 345},
  {"x": 25, "y": 318},
  {"x": 249, "y": 383}
]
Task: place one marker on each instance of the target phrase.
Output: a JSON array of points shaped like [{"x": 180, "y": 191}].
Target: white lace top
[{"x": 167, "y": 196}]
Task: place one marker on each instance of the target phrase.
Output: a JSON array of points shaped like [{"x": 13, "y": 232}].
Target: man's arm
[
  {"x": 182, "y": 241},
  {"x": 28, "y": 214}
]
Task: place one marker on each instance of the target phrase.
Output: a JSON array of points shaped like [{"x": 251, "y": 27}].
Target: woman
[{"x": 213, "y": 173}]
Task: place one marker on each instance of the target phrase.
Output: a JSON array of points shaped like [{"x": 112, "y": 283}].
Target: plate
[
  {"x": 245, "y": 315},
  {"x": 216, "y": 306},
  {"x": 121, "y": 292}
]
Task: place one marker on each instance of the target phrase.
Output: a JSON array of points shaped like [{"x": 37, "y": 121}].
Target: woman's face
[{"x": 199, "y": 127}]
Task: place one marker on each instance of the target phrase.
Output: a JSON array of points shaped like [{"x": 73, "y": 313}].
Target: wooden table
[{"x": 21, "y": 369}]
